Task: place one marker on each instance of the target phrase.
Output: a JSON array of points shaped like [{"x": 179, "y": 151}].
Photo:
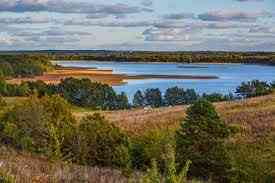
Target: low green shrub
[
  {"x": 39, "y": 125},
  {"x": 99, "y": 143},
  {"x": 252, "y": 161},
  {"x": 6, "y": 178},
  {"x": 150, "y": 146}
]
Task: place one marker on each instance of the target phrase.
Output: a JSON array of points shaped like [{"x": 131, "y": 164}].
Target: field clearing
[{"x": 256, "y": 115}]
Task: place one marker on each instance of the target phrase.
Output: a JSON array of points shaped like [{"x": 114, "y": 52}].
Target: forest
[{"x": 149, "y": 56}]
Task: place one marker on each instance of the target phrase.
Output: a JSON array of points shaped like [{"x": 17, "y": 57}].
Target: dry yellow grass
[
  {"x": 257, "y": 115},
  {"x": 27, "y": 168}
]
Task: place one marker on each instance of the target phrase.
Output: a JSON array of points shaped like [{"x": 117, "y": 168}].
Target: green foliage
[
  {"x": 201, "y": 140},
  {"x": 150, "y": 146},
  {"x": 272, "y": 85},
  {"x": 170, "y": 172},
  {"x": 139, "y": 99},
  {"x": 99, "y": 143},
  {"x": 3, "y": 103},
  {"x": 39, "y": 125},
  {"x": 6, "y": 178},
  {"x": 153, "y": 175},
  {"x": 252, "y": 161},
  {"x": 83, "y": 92},
  {"x": 179, "y": 96},
  {"x": 180, "y": 57},
  {"x": 23, "y": 65},
  {"x": 253, "y": 89},
  {"x": 217, "y": 97},
  {"x": 153, "y": 97}
]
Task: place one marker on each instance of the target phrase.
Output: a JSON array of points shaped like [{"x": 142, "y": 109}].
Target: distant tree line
[
  {"x": 23, "y": 65},
  {"x": 98, "y": 96},
  {"x": 79, "y": 92},
  {"x": 181, "y": 57},
  {"x": 174, "y": 96}
]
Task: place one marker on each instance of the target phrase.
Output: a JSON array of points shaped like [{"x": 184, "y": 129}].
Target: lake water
[{"x": 230, "y": 75}]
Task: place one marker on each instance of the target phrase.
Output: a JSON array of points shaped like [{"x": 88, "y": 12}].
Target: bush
[
  {"x": 39, "y": 125},
  {"x": 252, "y": 161},
  {"x": 6, "y": 178},
  {"x": 201, "y": 140},
  {"x": 99, "y": 143},
  {"x": 148, "y": 147},
  {"x": 170, "y": 173}
]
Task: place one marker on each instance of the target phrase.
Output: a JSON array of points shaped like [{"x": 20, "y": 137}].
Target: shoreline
[
  {"x": 174, "y": 62},
  {"x": 105, "y": 76}
]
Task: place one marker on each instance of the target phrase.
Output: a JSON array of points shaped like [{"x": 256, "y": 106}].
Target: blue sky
[{"x": 170, "y": 25}]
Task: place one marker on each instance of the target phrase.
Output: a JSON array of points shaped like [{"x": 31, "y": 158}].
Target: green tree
[
  {"x": 3, "y": 87},
  {"x": 201, "y": 140},
  {"x": 139, "y": 99},
  {"x": 153, "y": 97},
  {"x": 122, "y": 101},
  {"x": 272, "y": 85},
  {"x": 175, "y": 96},
  {"x": 253, "y": 89}
]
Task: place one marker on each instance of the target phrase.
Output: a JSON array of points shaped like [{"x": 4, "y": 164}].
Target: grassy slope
[
  {"x": 26, "y": 168},
  {"x": 257, "y": 115}
]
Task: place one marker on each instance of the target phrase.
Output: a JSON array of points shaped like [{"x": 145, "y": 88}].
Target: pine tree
[{"x": 201, "y": 140}]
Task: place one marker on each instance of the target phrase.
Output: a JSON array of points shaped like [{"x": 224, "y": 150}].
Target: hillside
[{"x": 256, "y": 115}]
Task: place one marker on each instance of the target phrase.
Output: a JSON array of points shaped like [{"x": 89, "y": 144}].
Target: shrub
[
  {"x": 6, "y": 178},
  {"x": 201, "y": 140},
  {"x": 252, "y": 161},
  {"x": 170, "y": 175},
  {"x": 148, "y": 147},
  {"x": 39, "y": 125},
  {"x": 99, "y": 143}
]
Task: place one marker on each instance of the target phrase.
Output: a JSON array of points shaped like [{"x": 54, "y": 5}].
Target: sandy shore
[{"x": 99, "y": 75}]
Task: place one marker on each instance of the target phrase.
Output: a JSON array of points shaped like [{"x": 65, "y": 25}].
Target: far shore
[{"x": 99, "y": 75}]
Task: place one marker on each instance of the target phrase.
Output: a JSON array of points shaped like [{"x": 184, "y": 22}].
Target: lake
[{"x": 230, "y": 75}]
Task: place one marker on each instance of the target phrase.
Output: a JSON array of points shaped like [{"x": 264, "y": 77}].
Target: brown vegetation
[
  {"x": 26, "y": 168},
  {"x": 98, "y": 75},
  {"x": 256, "y": 115}
]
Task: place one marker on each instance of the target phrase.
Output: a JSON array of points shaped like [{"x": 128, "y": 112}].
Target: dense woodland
[
  {"x": 180, "y": 57},
  {"x": 146, "y": 56},
  {"x": 202, "y": 149}
]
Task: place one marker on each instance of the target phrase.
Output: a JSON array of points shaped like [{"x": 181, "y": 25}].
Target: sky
[{"x": 152, "y": 25}]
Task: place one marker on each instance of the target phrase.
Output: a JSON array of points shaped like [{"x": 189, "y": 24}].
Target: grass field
[{"x": 256, "y": 115}]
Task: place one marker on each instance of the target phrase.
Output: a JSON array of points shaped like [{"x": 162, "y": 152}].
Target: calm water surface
[{"x": 230, "y": 75}]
